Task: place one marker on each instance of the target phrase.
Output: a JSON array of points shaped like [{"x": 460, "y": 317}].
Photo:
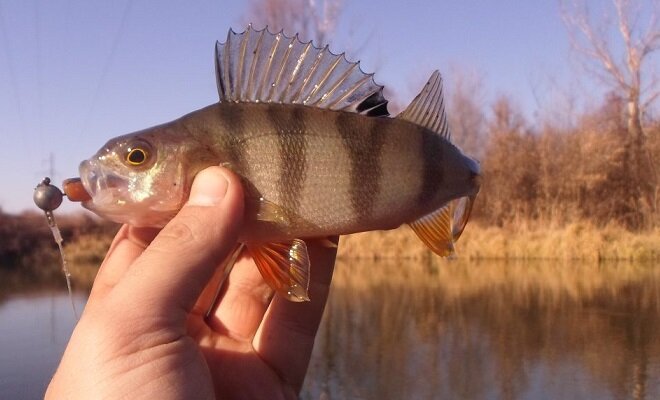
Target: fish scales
[
  {"x": 432, "y": 169},
  {"x": 232, "y": 121},
  {"x": 291, "y": 134},
  {"x": 337, "y": 171},
  {"x": 364, "y": 143}
]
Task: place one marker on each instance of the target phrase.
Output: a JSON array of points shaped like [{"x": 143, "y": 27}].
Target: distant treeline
[
  {"x": 538, "y": 181},
  {"x": 594, "y": 172}
]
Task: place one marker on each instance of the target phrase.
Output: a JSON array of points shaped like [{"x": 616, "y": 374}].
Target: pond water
[
  {"x": 34, "y": 330},
  {"x": 430, "y": 330}
]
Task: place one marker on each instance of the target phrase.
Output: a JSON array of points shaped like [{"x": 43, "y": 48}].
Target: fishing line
[
  {"x": 40, "y": 80},
  {"x": 14, "y": 84},
  {"x": 106, "y": 67}
]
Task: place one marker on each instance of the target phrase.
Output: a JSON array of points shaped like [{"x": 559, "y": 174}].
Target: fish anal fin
[
  {"x": 428, "y": 108},
  {"x": 435, "y": 231},
  {"x": 284, "y": 266},
  {"x": 461, "y": 210}
]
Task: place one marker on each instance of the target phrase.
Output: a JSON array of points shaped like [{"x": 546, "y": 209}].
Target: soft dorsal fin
[
  {"x": 428, "y": 108},
  {"x": 260, "y": 66}
]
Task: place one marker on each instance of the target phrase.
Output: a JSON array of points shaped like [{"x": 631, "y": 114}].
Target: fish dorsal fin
[
  {"x": 428, "y": 108},
  {"x": 259, "y": 66},
  {"x": 284, "y": 266},
  {"x": 440, "y": 229}
]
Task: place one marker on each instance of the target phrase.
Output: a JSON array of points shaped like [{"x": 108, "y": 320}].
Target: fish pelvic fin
[
  {"x": 428, "y": 108},
  {"x": 440, "y": 229},
  {"x": 259, "y": 66},
  {"x": 284, "y": 266}
]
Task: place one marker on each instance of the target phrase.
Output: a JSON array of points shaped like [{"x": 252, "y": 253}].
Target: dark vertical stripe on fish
[
  {"x": 433, "y": 171},
  {"x": 290, "y": 127},
  {"x": 363, "y": 141},
  {"x": 234, "y": 123}
]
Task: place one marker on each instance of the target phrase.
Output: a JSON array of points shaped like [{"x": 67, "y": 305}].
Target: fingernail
[{"x": 208, "y": 188}]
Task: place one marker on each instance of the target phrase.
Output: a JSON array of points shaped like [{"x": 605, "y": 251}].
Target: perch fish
[{"x": 310, "y": 136}]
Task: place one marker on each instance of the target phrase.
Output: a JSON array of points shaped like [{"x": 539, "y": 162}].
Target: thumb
[{"x": 172, "y": 272}]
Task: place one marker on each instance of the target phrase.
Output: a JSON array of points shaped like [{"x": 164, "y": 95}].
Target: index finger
[
  {"x": 285, "y": 339},
  {"x": 126, "y": 247}
]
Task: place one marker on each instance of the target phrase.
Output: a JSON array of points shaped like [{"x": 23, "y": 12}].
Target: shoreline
[{"x": 574, "y": 242}]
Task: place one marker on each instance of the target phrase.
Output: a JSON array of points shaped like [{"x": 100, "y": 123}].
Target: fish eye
[{"x": 138, "y": 154}]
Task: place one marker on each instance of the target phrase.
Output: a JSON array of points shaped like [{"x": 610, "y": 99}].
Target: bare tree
[
  {"x": 312, "y": 19},
  {"x": 510, "y": 167},
  {"x": 624, "y": 67}
]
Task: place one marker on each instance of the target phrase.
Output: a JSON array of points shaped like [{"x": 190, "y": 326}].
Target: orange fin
[
  {"x": 442, "y": 228},
  {"x": 435, "y": 231},
  {"x": 284, "y": 266},
  {"x": 461, "y": 209}
]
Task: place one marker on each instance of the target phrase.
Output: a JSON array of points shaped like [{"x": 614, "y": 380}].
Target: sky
[{"x": 74, "y": 74}]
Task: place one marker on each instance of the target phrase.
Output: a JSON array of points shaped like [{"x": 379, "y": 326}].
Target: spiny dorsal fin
[
  {"x": 260, "y": 66},
  {"x": 428, "y": 108}
]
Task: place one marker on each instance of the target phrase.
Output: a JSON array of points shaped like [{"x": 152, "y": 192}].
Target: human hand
[{"x": 144, "y": 333}]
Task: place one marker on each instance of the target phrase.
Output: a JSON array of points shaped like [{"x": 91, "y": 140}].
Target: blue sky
[{"x": 74, "y": 74}]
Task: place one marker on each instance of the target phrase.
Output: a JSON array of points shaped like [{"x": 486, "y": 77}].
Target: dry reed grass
[
  {"x": 576, "y": 241},
  {"x": 85, "y": 254}
]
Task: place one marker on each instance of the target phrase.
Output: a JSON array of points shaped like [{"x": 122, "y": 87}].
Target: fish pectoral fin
[
  {"x": 435, "y": 230},
  {"x": 284, "y": 266},
  {"x": 330, "y": 242},
  {"x": 266, "y": 211},
  {"x": 263, "y": 210}
]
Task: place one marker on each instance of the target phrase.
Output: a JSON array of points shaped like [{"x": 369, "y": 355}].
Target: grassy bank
[
  {"x": 578, "y": 241},
  {"x": 27, "y": 244},
  {"x": 517, "y": 251}
]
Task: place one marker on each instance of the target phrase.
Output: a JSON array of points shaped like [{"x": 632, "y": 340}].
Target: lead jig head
[{"x": 46, "y": 196}]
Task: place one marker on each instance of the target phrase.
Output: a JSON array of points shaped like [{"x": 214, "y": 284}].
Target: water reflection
[
  {"x": 34, "y": 329},
  {"x": 484, "y": 331},
  {"x": 425, "y": 330}
]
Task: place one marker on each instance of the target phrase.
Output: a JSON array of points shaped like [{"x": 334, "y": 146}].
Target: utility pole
[{"x": 51, "y": 165}]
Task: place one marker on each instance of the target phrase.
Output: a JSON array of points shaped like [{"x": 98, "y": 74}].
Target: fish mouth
[{"x": 105, "y": 189}]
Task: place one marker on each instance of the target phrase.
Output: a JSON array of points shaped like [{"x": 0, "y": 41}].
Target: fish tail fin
[{"x": 428, "y": 108}]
